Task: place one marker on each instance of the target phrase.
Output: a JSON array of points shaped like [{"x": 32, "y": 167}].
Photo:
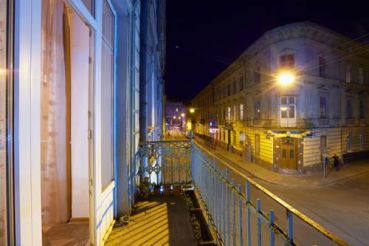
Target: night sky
[{"x": 205, "y": 36}]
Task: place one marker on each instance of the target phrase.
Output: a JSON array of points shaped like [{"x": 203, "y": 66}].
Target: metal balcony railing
[{"x": 241, "y": 211}]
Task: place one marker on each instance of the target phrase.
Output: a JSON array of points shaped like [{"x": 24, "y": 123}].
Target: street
[{"x": 342, "y": 207}]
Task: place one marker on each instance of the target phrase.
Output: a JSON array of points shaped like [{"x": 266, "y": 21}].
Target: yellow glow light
[
  {"x": 183, "y": 115},
  {"x": 192, "y": 110},
  {"x": 284, "y": 108},
  {"x": 286, "y": 78}
]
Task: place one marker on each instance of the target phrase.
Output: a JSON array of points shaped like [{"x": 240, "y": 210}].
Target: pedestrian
[{"x": 336, "y": 162}]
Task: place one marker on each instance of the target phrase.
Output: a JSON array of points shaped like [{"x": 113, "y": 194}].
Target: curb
[{"x": 313, "y": 184}]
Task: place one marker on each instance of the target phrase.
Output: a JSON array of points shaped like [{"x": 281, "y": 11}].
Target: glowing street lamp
[
  {"x": 286, "y": 78},
  {"x": 192, "y": 110},
  {"x": 183, "y": 115},
  {"x": 174, "y": 117}
]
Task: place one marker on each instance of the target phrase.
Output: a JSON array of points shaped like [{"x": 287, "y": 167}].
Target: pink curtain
[{"x": 53, "y": 123}]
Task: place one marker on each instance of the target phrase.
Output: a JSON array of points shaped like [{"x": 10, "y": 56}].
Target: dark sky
[{"x": 205, "y": 36}]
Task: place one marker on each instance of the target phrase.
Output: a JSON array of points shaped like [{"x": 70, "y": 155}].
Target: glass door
[{"x": 5, "y": 123}]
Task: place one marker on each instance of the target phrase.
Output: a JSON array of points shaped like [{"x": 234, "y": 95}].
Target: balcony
[{"x": 223, "y": 207}]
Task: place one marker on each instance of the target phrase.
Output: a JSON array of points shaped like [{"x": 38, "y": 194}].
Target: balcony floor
[
  {"x": 71, "y": 234},
  {"x": 162, "y": 220}
]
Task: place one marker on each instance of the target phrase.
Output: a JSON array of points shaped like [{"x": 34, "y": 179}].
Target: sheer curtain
[
  {"x": 54, "y": 118},
  {"x": 3, "y": 55}
]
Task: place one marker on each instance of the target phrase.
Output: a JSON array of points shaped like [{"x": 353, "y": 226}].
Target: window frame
[
  {"x": 113, "y": 46},
  {"x": 287, "y": 107}
]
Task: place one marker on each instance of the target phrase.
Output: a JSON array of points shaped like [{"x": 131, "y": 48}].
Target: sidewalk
[{"x": 255, "y": 171}]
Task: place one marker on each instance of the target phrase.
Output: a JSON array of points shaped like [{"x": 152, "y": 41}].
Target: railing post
[
  {"x": 228, "y": 194},
  {"x": 224, "y": 205},
  {"x": 248, "y": 204},
  {"x": 271, "y": 225},
  {"x": 290, "y": 226},
  {"x": 258, "y": 209},
  {"x": 234, "y": 230},
  {"x": 240, "y": 215},
  {"x": 219, "y": 182},
  {"x": 214, "y": 188},
  {"x": 216, "y": 191}
]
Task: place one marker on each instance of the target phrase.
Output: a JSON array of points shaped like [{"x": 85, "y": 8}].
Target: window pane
[
  {"x": 292, "y": 154},
  {"x": 3, "y": 55},
  {"x": 107, "y": 78},
  {"x": 108, "y": 24},
  {"x": 291, "y": 100},
  {"x": 89, "y": 5},
  {"x": 284, "y": 100},
  {"x": 284, "y": 114},
  {"x": 291, "y": 111},
  {"x": 284, "y": 153}
]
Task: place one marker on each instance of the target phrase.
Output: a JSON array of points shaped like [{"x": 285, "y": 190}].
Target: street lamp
[
  {"x": 192, "y": 110},
  {"x": 183, "y": 115},
  {"x": 174, "y": 117},
  {"x": 286, "y": 78}
]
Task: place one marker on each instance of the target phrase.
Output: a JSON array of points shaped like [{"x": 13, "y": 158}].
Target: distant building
[
  {"x": 175, "y": 114},
  {"x": 288, "y": 128}
]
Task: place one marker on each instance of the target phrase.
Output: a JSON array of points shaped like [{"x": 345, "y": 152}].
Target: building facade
[
  {"x": 290, "y": 127},
  {"x": 70, "y": 92}
]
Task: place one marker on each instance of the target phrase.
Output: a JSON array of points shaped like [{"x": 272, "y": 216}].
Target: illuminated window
[
  {"x": 287, "y": 107},
  {"x": 229, "y": 113},
  {"x": 241, "y": 111},
  {"x": 234, "y": 112}
]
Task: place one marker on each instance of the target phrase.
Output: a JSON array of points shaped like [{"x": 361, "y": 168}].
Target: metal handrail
[
  {"x": 209, "y": 180},
  {"x": 297, "y": 213}
]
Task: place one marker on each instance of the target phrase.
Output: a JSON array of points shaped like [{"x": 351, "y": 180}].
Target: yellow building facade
[{"x": 290, "y": 128}]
